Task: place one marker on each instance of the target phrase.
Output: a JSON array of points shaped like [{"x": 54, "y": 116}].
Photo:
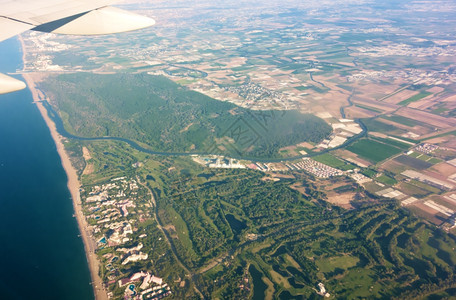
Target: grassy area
[
  {"x": 373, "y": 150},
  {"x": 386, "y": 180},
  {"x": 332, "y": 161},
  {"x": 414, "y": 98},
  {"x": 330, "y": 264}
]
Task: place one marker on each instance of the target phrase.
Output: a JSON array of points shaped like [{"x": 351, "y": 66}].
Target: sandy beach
[{"x": 73, "y": 186}]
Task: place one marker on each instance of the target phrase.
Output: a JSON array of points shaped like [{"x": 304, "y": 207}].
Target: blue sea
[{"x": 41, "y": 253}]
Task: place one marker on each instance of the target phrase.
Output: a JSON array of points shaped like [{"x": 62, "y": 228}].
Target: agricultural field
[
  {"x": 402, "y": 120},
  {"x": 333, "y": 161},
  {"x": 414, "y": 98},
  {"x": 374, "y": 124},
  {"x": 373, "y": 150},
  {"x": 386, "y": 180},
  {"x": 413, "y": 162}
]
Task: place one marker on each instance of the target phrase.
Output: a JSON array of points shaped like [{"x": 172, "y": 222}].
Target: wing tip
[
  {"x": 105, "y": 20},
  {"x": 9, "y": 84}
]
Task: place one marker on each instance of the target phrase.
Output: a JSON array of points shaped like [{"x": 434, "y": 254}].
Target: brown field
[
  {"x": 420, "y": 130},
  {"x": 437, "y": 175},
  {"x": 440, "y": 140},
  {"x": 428, "y": 213},
  {"x": 428, "y": 118},
  {"x": 393, "y": 166},
  {"x": 291, "y": 150},
  {"x": 279, "y": 175},
  {"x": 401, "y": 96},
  {"x": 450, "y": 143},
  {"x": 305, "y": 145},
  {"x": 333, "y": 185},
  {"x": 350, "y": 156},
  {"x": 278, "y": 167},
  {"x": 329, "y": 102},
  {"x": 86, "y": 153},
  {"x": 435, "y": 89},
  {"x": 445, "y": 202},
  {"x": 443, "y": 169},
  {"x": 299, "y": 188},
  {"x": 378, "y": 134},
  {"x": 387, "y": 107},
  {"x": 451, "y": 99},
  {"x": 430, "y": 135},
  {"x": 342, "y": 200},
  {"x": 425, "y": 103},
  {"x": 89, "y": 168},
  {"x": 269, "y": 179},
  {"x": 354, "y": 112},
  {"x": 381, "y": 90},
  {"x": 437, "y": 100}
]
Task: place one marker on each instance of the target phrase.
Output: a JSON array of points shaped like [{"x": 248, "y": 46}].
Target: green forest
[{"x": 165, "y": 116}]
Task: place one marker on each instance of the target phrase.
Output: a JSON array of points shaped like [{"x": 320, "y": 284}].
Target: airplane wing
[{"x": 78, "y": 17}]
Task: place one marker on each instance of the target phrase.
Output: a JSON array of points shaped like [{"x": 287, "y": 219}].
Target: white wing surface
[{"x": 78, "y": 17}]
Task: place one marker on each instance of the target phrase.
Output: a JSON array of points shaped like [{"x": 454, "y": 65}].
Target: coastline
[{"x": 73, "y": 184}]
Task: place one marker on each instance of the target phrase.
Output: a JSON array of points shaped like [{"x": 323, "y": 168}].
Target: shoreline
[{"x": 73, "y": 186}]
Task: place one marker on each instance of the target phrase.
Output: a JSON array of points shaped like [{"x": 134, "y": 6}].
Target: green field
[
  {"x": 373, "y": 150},
  {"x": 386, "y": 180},
  {"x": 330, "y": 264},
  {"x": 369, "y": 172},
  {"x": 332, "y": 161}
]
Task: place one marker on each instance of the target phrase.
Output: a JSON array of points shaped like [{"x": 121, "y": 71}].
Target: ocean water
[{"x": 41, "y": 254}]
